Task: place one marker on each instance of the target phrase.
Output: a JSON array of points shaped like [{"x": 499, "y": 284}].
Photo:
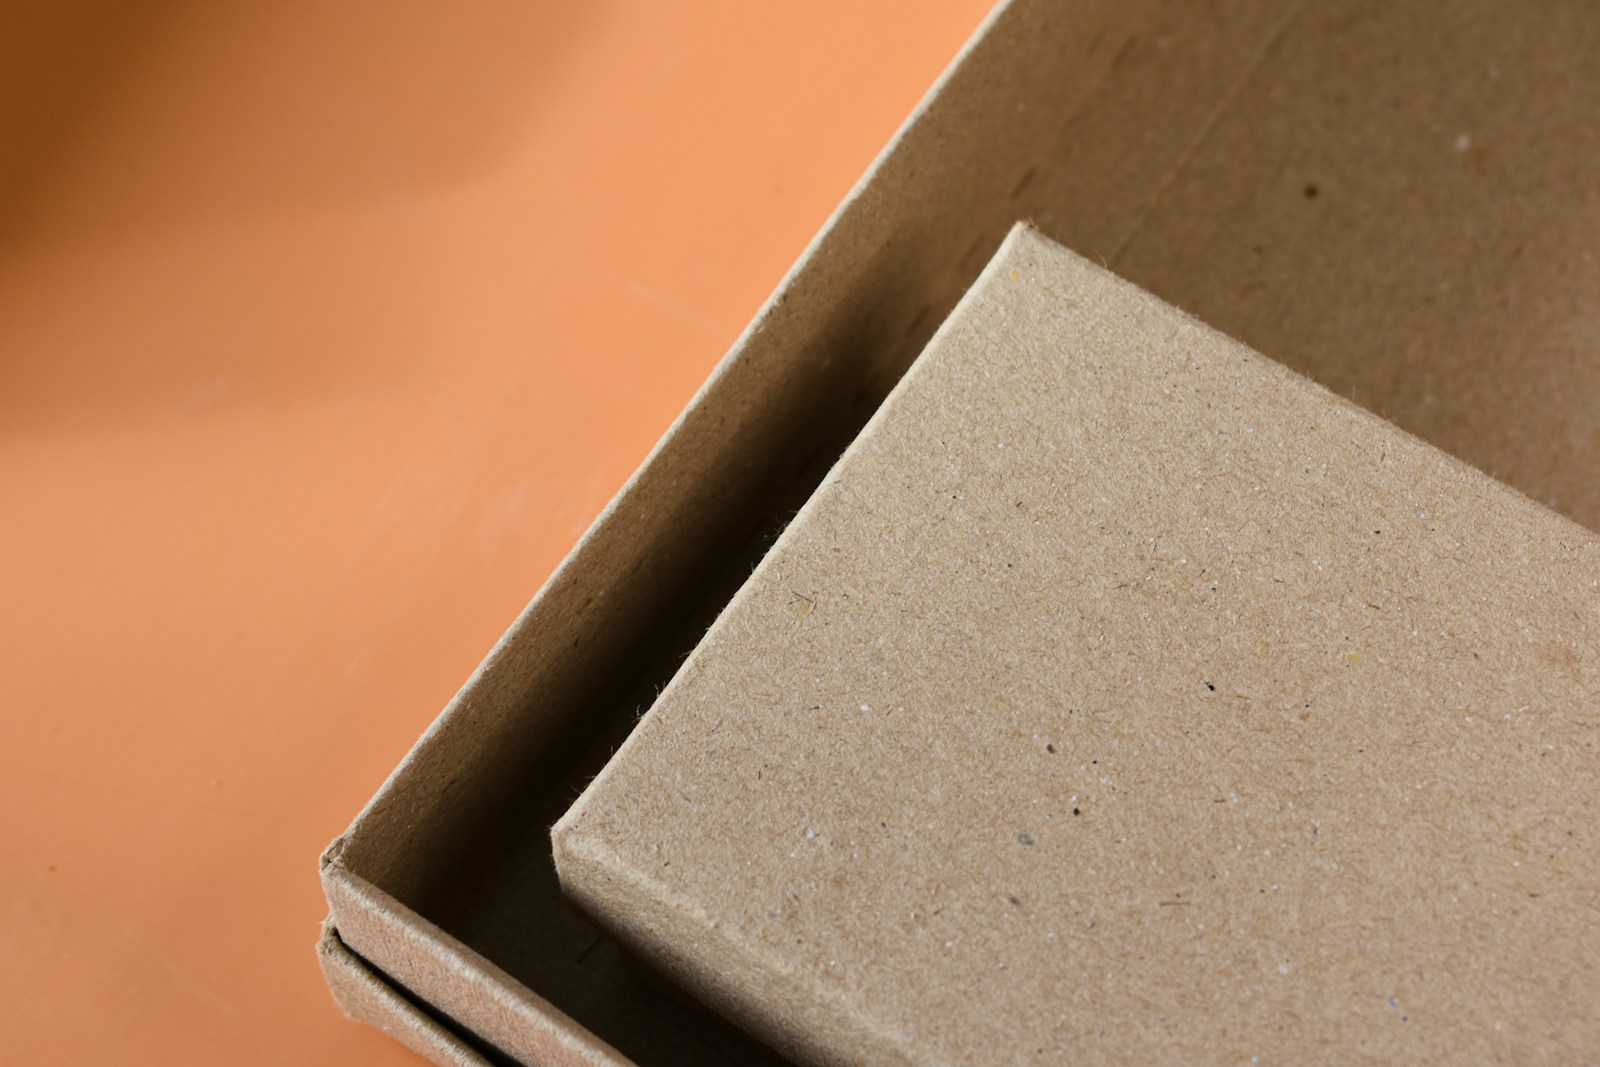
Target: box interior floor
[{"x": 1400, "y": 201}]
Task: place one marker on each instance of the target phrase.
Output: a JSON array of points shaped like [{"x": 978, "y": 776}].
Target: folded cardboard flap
[
  {"x": 368, "y": 997},
  {"x": 463, "y": 984},
  {"x": 1295, "y": 174},
  {"x": 942, "y": 783}
]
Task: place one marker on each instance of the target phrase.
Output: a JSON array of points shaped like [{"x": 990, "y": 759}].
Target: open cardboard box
[{"x": 1399, "y": 201}]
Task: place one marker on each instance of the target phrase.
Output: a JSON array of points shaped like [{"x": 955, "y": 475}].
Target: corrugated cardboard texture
[
  {"x": 1122, "y": 695},
  {"x": 1450, "y": 288}
]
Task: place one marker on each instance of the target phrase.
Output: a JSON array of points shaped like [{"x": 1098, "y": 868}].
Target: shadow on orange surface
[
  {"x": 324, "y": 331},
  {"x": 226, "y": 112},
  {"x": 253, "y": 140}
]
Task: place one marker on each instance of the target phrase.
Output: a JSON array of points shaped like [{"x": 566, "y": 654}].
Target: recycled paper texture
[{"x": 1122, "y": 695}]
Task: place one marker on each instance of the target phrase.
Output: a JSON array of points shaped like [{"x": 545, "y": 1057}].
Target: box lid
[{"x": 1123, "y": 693}]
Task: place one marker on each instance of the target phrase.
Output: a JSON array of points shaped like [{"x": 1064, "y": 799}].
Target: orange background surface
[{"x": 325, "y": 329}]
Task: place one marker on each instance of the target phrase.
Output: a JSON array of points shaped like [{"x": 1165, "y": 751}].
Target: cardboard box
[
  {"x": 1121, "y": 695},
  {"x": 1397, "y": 201}
]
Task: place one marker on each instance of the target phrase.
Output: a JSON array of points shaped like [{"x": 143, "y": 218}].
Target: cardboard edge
[
  {"x": 365, "y": 997},
  {"x": 804, "y": 1028},
  {"x": 493, "y": 1007}
]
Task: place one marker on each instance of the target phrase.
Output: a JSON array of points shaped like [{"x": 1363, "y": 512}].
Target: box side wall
[
  {"x": 790, "y": 1016},
  {"x": 367, "y": 998},
  {"x": 456, "y": 982}
]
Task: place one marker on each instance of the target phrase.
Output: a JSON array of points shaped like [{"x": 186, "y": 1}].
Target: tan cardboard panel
[
  {"x": 1402, "y": 201},
  {"x": 365, "y": 996},
  {"x": 508, "y": 1019},
  {"x": 1122, "y": 695}
]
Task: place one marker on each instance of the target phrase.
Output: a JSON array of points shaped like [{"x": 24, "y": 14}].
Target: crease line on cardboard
[{"x": 1274, "y": 41}]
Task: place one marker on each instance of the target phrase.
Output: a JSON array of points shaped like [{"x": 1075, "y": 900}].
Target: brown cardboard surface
[
  {"x": 1400, "y": 201},
  {"x": 1124, "y": 695},
  {"x": 1173, "y": 142},
  {"x": 368, "y": 997}
]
